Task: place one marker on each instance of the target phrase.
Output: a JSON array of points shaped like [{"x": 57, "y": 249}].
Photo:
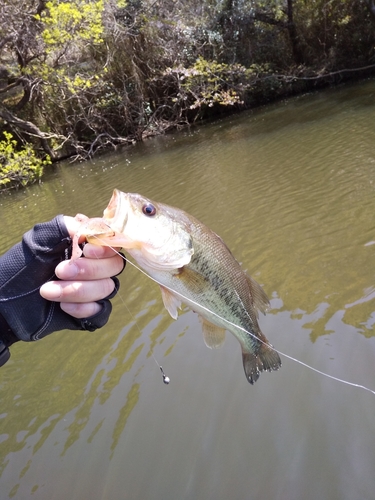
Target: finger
[
  {"x": 89, "y": 269},
  {"x": 77, "y": 291},
  {"x": 85, "y": 310},
  {"x": 72, "y": 225},
  {"x": 99, "y": 252}
]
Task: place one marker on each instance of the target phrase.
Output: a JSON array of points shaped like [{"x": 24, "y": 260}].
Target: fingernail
[
  {"x": 67, "y": 270},
  {"x": 51, "y": 291}
]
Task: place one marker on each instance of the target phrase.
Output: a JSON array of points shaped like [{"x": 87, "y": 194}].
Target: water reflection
[{"x": 82, "y": 385}]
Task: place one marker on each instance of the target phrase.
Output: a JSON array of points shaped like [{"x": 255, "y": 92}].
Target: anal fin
[{"x": 213, "y": 335}]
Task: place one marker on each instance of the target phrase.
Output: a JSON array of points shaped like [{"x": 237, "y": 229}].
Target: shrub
[{"x": 19, "y": 167}]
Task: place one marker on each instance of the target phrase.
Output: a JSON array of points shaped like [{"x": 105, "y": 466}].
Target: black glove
[{"x": 24, "y": 313}]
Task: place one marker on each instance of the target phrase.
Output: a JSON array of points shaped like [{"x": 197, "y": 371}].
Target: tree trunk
[{"x": 293, "y": 35}]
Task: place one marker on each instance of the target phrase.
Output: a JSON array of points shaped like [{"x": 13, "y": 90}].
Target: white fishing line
[{"x": 332, "y": 377}]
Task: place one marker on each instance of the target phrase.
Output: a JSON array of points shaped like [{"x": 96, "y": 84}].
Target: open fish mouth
[{"x": 116, "y": 213}]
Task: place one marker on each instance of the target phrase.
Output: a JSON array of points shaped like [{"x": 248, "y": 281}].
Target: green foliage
[
  {"x": 72, "y": 21},
  {"x": 208, "y": 82},
  {"x": 18, "y": 167},
  {"x": 211, "y": 84},
  {"x": 99, "y": 73}
]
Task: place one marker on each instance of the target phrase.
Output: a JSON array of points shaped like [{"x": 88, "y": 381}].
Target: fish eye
[{"x": 149, "y": 209}]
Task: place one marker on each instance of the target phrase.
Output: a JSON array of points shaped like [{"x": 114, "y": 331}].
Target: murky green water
[{"x": 291, "y": 189}]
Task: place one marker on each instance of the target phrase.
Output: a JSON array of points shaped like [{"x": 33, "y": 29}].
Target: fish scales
[{"x": 227, "y": 293}]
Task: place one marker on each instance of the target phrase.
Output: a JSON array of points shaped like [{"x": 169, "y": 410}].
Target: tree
[{"x": 78, "y": 76}]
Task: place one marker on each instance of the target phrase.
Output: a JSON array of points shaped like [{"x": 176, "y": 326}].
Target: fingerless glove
[{"x": 24, "y": 313}]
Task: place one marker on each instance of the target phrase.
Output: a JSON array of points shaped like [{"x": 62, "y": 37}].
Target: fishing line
[
  {"x": 346, "y": 382},
  {"x": 166, "y": 379}
]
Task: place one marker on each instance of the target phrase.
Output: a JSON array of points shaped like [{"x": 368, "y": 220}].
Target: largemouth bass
[{"x": 193, "y": 266}]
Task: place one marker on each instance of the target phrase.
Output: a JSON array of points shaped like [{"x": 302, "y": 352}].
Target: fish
[{"x": 193, "y": 266}]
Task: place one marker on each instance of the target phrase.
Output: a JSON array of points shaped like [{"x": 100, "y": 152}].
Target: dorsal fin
[{"x": 258, "y": 295}]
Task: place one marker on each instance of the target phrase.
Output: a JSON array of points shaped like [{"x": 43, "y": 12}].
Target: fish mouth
[{"x": 116, "y": 213}]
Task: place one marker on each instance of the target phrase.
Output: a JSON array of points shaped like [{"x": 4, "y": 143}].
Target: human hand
[{"x": 84, "y": 281}]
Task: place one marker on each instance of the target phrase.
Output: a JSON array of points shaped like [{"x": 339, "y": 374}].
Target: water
[{"x": 290, "y": 188}]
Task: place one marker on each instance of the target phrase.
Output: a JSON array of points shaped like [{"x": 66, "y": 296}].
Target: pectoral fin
[
  {"x": 171, "y": 302},
  {"x": 213, "y": 335}
]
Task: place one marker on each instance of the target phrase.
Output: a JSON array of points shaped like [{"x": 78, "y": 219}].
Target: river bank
[
  {"x": 24, "y": 167},
  {"x": 81, "y": 77}
]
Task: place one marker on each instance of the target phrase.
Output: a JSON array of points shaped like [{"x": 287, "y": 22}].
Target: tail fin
[{"x": 266, "y": 359}]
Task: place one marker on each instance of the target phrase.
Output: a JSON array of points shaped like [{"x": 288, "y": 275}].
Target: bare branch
[{"x": 29, "y": 128}]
